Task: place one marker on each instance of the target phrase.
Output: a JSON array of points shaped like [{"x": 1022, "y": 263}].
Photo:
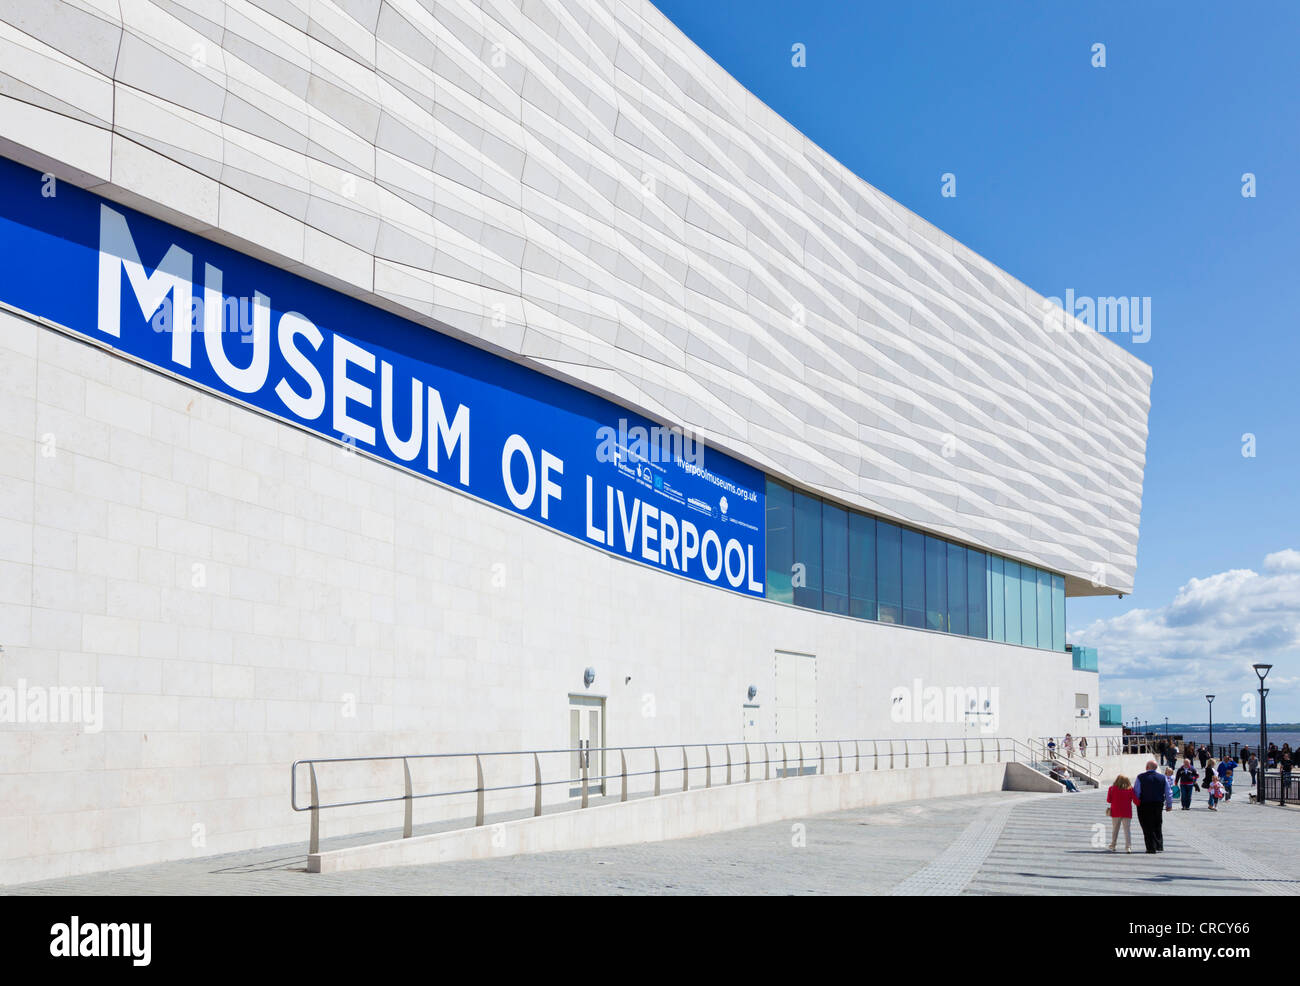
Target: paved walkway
[{"x": 983, "y": 844}]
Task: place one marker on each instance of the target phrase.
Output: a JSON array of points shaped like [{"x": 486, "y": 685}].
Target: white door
[
  {"x": 586, "y": 740},
  {"x": 795, "y": 696}
]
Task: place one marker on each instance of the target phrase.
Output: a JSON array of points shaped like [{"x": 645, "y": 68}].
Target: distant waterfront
[{"x": 1244, "y": 738}]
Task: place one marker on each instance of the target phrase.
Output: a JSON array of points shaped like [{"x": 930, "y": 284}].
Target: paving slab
[{"x": 988, "y": 844}]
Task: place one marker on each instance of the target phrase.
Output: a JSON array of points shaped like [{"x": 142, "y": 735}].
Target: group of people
[
  {"x": 1068, "y": 746},
  {"x": 1275, "y": 758},
  {"x": 1152, "y": 792}
]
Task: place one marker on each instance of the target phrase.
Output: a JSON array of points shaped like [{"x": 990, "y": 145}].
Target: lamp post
[
  {"x": 1261, "y": 671},
  {"x": 1210, "y": 699}
]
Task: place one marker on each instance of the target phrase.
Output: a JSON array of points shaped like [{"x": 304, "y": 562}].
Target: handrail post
[
  {"x": 875, "y": 754},
  {"x": 983, "y": 758},
  {"x": 622, "y": 755},
  {"x": 537, "y": 787},
  {"x": 839, "y": 754},
  {"x": 947, "y": 755},
  {"x": 857, "y": 758},
  {"x": 728, "y": 763},
  {"x": 585, "y": 759},
  {"x": 907, "y": 754},
  {"x": 767, "y": 761},
  {"x": 708, "y": 767},
  {"x": 406, "y": 821},
  {"x": 927, "y": 753},
  {"x": 478, "y": 815},
  {"x": 746, "y": 763},
  {"x": 656, "y": 771},
  {"x": 686, "y": 770},
  {"x": 785, "y": 762},
  {"x": 313, "y": 844},
  {"x": 801, "y": 758},
  {"x": 821, "y": 755}
]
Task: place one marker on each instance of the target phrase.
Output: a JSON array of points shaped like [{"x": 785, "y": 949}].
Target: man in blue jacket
[{"x": 1154, "y": 794}]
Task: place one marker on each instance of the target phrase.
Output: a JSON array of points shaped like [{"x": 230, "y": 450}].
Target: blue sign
[{"x": 349, "y": 371}]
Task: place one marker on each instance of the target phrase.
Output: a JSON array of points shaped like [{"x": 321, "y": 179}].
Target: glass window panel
[
  {"x": 835, "y": 558},
  {"x": 1058, "y": 612},
  {"x": 956, "y": 588},
  {"x": 913, "y": 578},
  {"x": 1011, "y": 584},
  {"x": 780, "y": 541},
  {"x": 889, "y": 571},
  {"x": 1028, "y": 606},
  {"x": 977, "y": 611},
  {"x": 1044, "y": 609},
  {"x": 936, "y": 584},
  {"x": 862, "y": 566},
  {"x": 997, "y": 598},
  {"x": 807, "y": 551}
]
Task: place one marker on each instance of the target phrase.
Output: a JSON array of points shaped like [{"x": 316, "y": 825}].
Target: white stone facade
[
  {"x": 578, "y": 186},
  {"x": 247, "y": 594},
  {"x": 331, "y": 581}
]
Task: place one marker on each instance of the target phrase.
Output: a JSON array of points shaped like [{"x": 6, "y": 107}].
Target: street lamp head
[
  {"x": 1262, "y": 670},
  {"x": 1209, "y": 698}
]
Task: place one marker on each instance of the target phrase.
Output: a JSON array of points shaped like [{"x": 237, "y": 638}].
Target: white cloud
[
  {"x": 1287, "y": 560},
  {"x": 1205, "y": 640}
]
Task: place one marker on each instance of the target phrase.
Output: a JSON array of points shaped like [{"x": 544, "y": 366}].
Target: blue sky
[{"x": 1122, "y": 180}]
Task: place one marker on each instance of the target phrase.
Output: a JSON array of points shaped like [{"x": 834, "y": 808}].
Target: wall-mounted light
[
  {"x": 588, "y": 676},
  {"x": 753, "y": 693}
]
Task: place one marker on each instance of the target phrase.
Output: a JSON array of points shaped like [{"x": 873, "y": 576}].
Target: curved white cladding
[{"x": 576, "y": 184}]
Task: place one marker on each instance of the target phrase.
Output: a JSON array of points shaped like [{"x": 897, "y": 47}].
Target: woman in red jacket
[{"x": 1120, "y": 800}]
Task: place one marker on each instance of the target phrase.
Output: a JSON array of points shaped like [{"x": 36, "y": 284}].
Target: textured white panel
[{"x": 646, "y": 227}]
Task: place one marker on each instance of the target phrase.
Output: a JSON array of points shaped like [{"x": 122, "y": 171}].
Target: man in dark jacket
[{"x": 1155, "y": 794}]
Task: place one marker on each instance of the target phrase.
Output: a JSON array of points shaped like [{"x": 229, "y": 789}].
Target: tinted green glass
[
  {"x": 977, "y": 613},
  {"x": 1011, "y": 585},
  {"x": 807, "y": 578},
  {"x": 936, "y": 584},
  {"x": 1044, "y": 593},
  {"x": 1058, "y": 612},
  {"x": 835, "y": 558},
  {"x": 997, "y": 597},
  {"x": 913, "y": 578},
  {"x": 956, "y": 588},
  {"x": 862, "y": 566},
  {"x": 889, "y": 571},
  {"x": 780, "y": 541}
]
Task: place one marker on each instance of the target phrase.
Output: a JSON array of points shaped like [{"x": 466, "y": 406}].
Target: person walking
[
  {"x": 1253, "y": 766},
  {"x": 1120, "y": 800},
  {"x": 1069, "y": 745},
  {"x": 1216, "y": 793},
  {"x": 1153, "y": 796},
  {"x": 1083, "y": 746},
  {"x": 1186, "y": 780},
  {"x": 1226, "y": 766},
  {"x": 1202, "y": 754}
]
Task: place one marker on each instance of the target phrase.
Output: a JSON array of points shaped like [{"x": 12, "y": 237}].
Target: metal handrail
[
  {"x": 929, "y": 753},
  {"x": 1108, "y": 746},
  {"x": 1090, "y": 769}
]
